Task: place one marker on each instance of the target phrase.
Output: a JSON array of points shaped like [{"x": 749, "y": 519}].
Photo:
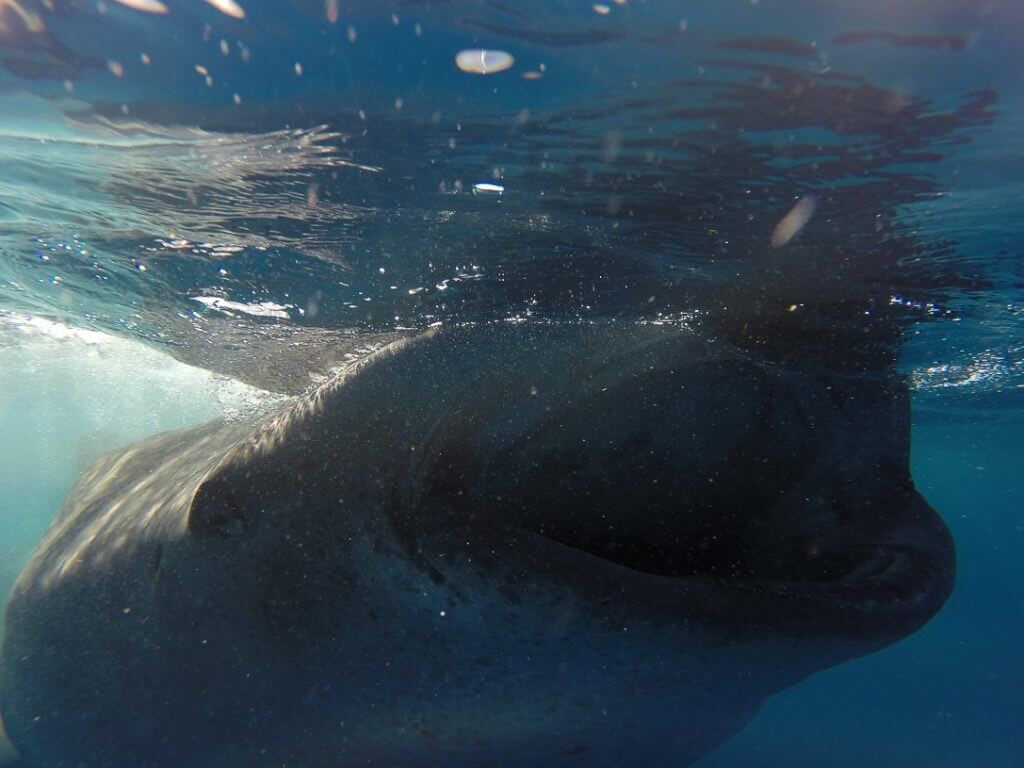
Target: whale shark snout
[{"x": 504, "y": 545}]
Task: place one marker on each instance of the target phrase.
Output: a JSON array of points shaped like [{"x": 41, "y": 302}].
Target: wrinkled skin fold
[{"x": 509, "y": 545}]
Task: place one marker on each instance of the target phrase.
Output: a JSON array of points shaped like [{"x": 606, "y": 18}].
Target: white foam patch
[
  {"x": 68, "y": 395},
  {"x": 988, "y": 371},
  {"x": 115, "y": 381}
]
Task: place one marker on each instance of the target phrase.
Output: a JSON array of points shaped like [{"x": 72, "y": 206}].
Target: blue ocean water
[{"x": 195, "y": 206}]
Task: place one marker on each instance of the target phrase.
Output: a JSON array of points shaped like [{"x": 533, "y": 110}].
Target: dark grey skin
[{"x": 495, "y": 546}]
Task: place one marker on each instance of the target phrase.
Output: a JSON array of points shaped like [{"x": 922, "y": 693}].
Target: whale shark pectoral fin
[{"x": 8, "y": 752}]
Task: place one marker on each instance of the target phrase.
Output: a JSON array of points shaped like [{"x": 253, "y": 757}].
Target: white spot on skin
[
  {"x": 791, "y": 224},
  {"x": 481, "y": 61}
]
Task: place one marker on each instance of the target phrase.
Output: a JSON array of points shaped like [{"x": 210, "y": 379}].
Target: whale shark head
[
  {"x": 710, "y": 475},
  {"x": 564, "y": 545}
]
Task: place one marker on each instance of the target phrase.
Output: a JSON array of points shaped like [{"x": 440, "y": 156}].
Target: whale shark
[{"x": 509, "y": 544}]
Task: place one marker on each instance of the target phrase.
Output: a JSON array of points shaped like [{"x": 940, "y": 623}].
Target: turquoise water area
[{"x": 68, "y": 396}]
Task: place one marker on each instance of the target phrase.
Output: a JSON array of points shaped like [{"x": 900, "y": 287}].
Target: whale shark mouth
[
  {"x": 891, "y": 564},
  {"x": 873, "y": 573},
  {"x": 723, "y": 562},
  {"x": 908, "y": 582}
]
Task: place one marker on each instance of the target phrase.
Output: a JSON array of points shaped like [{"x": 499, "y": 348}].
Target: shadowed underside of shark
[{"x": 507, "y": 545}]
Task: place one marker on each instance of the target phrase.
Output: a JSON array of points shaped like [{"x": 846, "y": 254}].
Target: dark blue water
[{"x": 823, "y": 183}]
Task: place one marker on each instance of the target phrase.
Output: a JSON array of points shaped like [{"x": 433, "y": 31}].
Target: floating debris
[
  {"x": 794, "y": 221},
  {"x": 481, "y": 61},
  {"x": 262, "y": 309},
  {"x": 32, "y": 22},
  {"x": 228, "y": 8},
  {"x": 174, "y": 245},
  {"x": 146, "y": 6},
  {"x": 488, "y": 190}
]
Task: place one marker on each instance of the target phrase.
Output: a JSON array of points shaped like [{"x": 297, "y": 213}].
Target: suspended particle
[
  {"x": 486, "y": 189},
  {"x": 482, "y": 61},
  {"x": 146, "y": 6},
  {"x": 791, "y": 224},
  {"x": 228, "y": 8}
]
